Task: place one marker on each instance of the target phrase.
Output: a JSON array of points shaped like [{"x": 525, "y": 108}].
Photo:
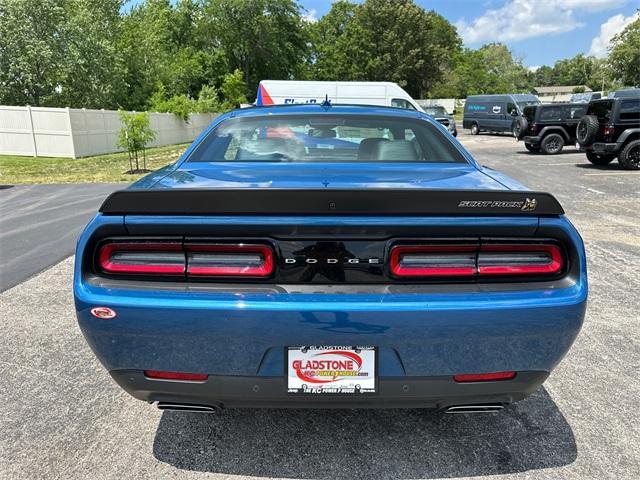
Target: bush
[
  {"x": 134, "y": 135},
  {"x": 233, "y": 90}
]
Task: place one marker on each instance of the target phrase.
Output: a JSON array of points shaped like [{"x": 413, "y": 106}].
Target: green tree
[
  {"x": 263, "y": 38},
  {"x": 325, "y": 35},
  {"x": 92, "y": 73},
  {"x": 31, "y": 51},
  {"x": 135, "y": 134},
  {"x": 624, "y": 54},
  {"x": 385, "y": 40}
]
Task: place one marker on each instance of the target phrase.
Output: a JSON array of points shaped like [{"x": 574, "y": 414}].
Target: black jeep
[
  {"x": 610, "y": 129},
  {"x": 547, "y": 128}
]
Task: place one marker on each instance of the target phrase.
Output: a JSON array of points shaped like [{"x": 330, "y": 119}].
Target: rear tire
[
  {"x": 552, "y": 144},
  {"x": 600, "y": 159},
  {"x": 629, "y": 157},
  {"x": 587, "y": 130},
  {"x": 531, "y": 148},
  {"x": 519, "y": 127},
  {"x": 474, "y": 129}
]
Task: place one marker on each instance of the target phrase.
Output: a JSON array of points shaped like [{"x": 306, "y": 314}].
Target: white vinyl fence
[{"x": 73, "y": 132}]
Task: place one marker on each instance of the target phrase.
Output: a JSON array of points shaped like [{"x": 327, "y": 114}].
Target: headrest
[
  {"x": 365, "y": 149},
  {"x": 395, "y": 151}
]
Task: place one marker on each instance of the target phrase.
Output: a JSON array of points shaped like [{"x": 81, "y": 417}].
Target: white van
[{"x": 282, "y": 92}]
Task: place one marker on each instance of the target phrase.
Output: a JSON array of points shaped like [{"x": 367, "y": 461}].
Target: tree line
[{"x": 206, "y": 55}]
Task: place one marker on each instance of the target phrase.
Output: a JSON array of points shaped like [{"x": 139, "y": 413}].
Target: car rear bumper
[
  {"x": 531, "y": 140},
  {"x": 601, "y": 147},
  {"x": 222, "y": 391}
]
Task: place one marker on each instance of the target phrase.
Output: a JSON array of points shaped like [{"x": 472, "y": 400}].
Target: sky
[{"x": 540, "y": 32}]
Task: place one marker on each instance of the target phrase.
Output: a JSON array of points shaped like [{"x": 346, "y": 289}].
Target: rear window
[
  {"x": 529, "y": 112},
  {"x": 326, "y": 138},
  {"x": 576, "y": 111},
  {"x": 551, "y": 113},
  {"x": 601, "y": 109},
  {"x": 630, "y": 109},
  {"x": 435, "y": 111}
]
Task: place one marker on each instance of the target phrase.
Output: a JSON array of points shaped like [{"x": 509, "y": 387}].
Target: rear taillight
[
  {"x": 483, "y": 260},
  {"x": 609, "y": 130},
  {"x": 516, "y": 259},
  {"x": 433, "y": 260},
  {"x": 226, "y": 260},
  {"x": 175, "y": 259},
  {"x": 534, "y": 128},
  {"x": 153, "y": 258}
]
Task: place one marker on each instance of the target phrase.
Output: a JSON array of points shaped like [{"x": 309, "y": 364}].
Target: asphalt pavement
[
  {"x": 39, "y": 225},
  {"x": 62, "y": 417}
]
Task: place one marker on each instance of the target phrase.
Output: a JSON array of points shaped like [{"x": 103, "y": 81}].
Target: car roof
[{"x": 320, "y": 109}]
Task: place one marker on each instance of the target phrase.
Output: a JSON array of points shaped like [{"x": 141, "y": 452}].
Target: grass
[{"x": 109, "y": 168}]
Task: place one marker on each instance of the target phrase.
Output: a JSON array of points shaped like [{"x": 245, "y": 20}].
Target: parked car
[
  {"x": 585, "y": 97},
  {"x": 547, "y": 128},
  {"x": 257, "y": 272},
  {"x": 286, "y": 92},
  {"x": 610, "y": 130},
  {"x": 625, "y": 92},
  {"x": 494, "y": 113},
  {"x": 440, "y": 114}
]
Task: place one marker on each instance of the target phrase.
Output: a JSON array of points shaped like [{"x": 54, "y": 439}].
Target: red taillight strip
[
  {"x": 264, "y": 269},
  {"x": 188, "y": 377},
  {"x": 554, "y": 266},
  {"x": 400, "y": 270},
  {"x": 448, "y": 263},
  {"x": 108, "y": 266},
  {"x": 484, "y": 377}
]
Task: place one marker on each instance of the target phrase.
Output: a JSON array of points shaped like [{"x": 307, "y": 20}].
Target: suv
[
  {"x": 547, "y": 128},
  {"x": 439, "y": 113},
  {"x": 610, "y": 129}
]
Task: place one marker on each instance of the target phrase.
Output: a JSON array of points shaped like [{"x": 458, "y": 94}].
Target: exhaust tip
[
  {"x": 475, "y": 408},
  {"x": 185, "y": 407}
]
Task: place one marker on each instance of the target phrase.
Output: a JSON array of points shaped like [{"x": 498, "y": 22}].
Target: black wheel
[
  {"x": 519, "y": 127},
  {"x": 629, "y": 157},
  {"x": 532, "y": 148},
  {"x": 474, "y": 129},
  {"x": 599, "y": 159},
  {"x": 587, "y": 130},
  {"x": 552, "y": 144}
]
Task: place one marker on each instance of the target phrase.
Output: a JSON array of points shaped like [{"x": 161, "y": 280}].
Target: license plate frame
[{"x": 355, "y": 372}]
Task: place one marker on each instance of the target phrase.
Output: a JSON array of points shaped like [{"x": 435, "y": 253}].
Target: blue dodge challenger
[{"x": 329, "y": 256}]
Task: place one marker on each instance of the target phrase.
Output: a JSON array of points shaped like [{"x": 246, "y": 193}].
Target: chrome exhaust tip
[
  {"x": 474, "y": 408},
  {"x": 185, "y": 407}
]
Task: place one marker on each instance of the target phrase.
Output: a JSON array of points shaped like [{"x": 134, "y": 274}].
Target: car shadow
[
  {"x": 613, "y": 166},
  {"x": 375, "y": 444},
  {"x": 561, "y": 154}
]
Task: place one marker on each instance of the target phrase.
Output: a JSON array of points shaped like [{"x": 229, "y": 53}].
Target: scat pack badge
[{"x": 528, "y": 205}]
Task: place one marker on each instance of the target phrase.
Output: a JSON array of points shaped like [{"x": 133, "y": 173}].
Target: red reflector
[
  {"x": 142, "y": 258},
  {"x": 229, "y": 260},
  {"x": 103, "y": 313},
  {"x": 484, "y": 377},
  {"x": 192, "y": 377},
  {"x": 609, "y": 130},
  {"x": 520, "y": 259},
  {"x": 433, "y": 260}
]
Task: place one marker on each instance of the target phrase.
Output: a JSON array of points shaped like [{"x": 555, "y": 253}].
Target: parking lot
[{"x": 63, "y": 417}]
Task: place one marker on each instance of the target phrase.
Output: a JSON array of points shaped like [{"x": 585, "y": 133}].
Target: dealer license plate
[{"x": 331, "y": 369}]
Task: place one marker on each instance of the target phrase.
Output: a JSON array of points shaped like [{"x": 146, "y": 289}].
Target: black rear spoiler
[{"x": 290, "y": 201}]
